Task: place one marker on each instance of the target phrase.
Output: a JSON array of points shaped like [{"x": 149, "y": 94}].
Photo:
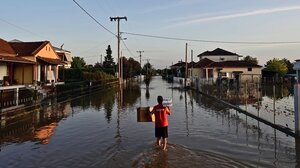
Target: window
[{"x": 249, "y": 69}]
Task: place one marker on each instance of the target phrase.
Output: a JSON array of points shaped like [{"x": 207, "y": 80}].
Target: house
[
  {"x": 43, "y": 54},
  {"x": 65, "y": 56},
  {"x": 200, "y": 70},
  {"x": 178, "y": 69},
  {"x": 13, "y": 69},
  {"x": 241, "y": 70},
  {"x": 219, "y": 55}
]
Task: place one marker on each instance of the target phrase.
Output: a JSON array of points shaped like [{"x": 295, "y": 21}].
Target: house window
[{"x": 249, "y": 69}]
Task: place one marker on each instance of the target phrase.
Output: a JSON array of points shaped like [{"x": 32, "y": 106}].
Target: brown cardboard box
[{"x": 143, "y": 114}]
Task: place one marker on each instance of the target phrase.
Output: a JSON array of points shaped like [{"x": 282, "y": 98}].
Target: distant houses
[
  {"x": 29, "y": 62},
  {"x": 221, "y": 64}
]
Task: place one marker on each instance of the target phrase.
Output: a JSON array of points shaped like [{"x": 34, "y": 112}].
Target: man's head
[{"x": 159, "y": 99}]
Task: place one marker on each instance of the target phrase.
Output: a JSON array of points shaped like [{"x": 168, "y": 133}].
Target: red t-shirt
[{"x": 160, "y": 113}]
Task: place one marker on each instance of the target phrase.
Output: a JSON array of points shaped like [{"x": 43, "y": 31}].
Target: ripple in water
[{"x": 179, "y": 156}]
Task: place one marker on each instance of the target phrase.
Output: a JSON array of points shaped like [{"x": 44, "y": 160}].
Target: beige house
[
  {"x": 14, "y": 70},
  {"x": 42, "y": 53},
  {"x": 209, "y": 70},
  {"x": 65, "y": 56}
]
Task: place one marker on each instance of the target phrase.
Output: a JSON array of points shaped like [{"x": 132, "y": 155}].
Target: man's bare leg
[
  {"x": 158, "y": 141},
  {"x": 164, "y": 143}
]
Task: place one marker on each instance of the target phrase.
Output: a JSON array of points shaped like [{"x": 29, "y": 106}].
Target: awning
[
  {"x": 51, "y": 61},
  {"x": 14, "y": 59}
]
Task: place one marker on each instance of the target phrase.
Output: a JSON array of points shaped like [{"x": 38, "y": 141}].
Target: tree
[
  {"x": 109, "y": 64},
  {"x": 131, "y": 68},
  {"x": 78, "y": 63},
  {"x": 98, "y": 66},
  {"x": 289, "y": 65},
  {"x": 250, "y": 59},
  {"x": 278, "y": 66},
  {"x": 148, "y": 69}
]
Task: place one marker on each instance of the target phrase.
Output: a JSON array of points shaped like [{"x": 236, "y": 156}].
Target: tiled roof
[
  {"x": 203, "y": 63},
  {"x": 191, "y": 64},
  {"x": 233, "y": 64},
  {"x": 27, "y": 48},
  {"x": 217, "y": 51},
  {"x": 15, "y": 59},
  {"x": 179, "y": 64},
  {"x": 51, "y": 60},
  {"x": 6, "y": 49}
]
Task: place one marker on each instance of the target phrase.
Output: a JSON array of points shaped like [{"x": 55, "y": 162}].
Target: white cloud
[{"x": 243, "y": 14}]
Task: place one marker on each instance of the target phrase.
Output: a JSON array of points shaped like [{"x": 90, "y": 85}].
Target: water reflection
[
  {"x": 132, "y": 92},
  {"x": 37, "y": 125},
  {"x": 103, "y": 128}
]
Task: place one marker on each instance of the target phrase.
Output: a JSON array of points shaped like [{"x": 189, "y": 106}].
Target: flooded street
[{"x": 101, "y": 130}]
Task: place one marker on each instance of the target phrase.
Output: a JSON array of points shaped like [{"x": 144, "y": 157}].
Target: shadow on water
[{"x": 180, "y": 156}]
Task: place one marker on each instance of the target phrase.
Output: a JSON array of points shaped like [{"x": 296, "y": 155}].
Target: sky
[{"x": 63, "y": 22}]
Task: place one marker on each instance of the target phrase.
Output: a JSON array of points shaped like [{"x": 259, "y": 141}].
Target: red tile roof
[
  {"x": 179, "y": 64},
  {"x": 217, "y": 51},
  {"x": 27, "y": 48},
  {"x": 191, "y": 64},
  {"x": 51, "y": 60},
  {"x": 203, "y": 63},
  {"x": 15, "y": 59},
  {"x": 233, "y": 64},
  {"x": 6, "y": 49}
]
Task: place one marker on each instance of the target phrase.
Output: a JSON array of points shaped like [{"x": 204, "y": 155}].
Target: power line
[
  {"x": 94, "y": 18},
  {"x": 26, "y": 30},
  {"x": 212, "y": 41},
  {"x": 128, "y": 49}
]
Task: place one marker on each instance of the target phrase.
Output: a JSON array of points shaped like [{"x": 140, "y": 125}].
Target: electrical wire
[
  {"x": 94, "y": 18},
  {"x": 128, "y": 49},
  {"x": 211, "y": 41}
]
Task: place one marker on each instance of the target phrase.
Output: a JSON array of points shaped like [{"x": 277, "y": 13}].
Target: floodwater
[{"x": 101, "y": 130}]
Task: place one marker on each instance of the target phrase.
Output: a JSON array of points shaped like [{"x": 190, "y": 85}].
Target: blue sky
[{"x": 63, "y": 22}]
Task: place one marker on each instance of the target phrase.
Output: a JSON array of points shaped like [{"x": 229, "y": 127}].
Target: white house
[{"x": 219, "y": 55}]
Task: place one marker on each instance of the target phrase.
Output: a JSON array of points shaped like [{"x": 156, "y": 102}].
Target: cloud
[{"x": 243, "y": 14}]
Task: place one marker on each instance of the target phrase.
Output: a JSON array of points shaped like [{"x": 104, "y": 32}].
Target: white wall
[
  {"x": 3, "y": 70},
  {"x": 217, "y": 58}
]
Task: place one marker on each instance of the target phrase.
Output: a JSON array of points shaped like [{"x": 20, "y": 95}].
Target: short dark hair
[{"x": 159, "y": 99}]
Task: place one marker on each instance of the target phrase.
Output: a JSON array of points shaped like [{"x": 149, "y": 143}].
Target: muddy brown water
[{"x": 101, "y": 130}]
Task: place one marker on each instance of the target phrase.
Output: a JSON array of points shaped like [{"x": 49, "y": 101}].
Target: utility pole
[
  {"x": 140, "y": 63},
  {"x": 186, "y": 68},
  {"x": 118, "y": 36},
  {"x": 192, "y": 52}
]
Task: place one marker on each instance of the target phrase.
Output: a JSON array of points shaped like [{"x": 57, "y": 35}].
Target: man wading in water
[{"x": 161, "y": 122}]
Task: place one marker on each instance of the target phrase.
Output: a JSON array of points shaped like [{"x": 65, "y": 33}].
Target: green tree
[
  {"x": 98, "y": 66},
  {"x": 78, "y": 63},
  {"x": 131, "y": 68},
  {"x": 278, "y": 66},
  {"x": 148, "y": 69},
  {"x": 289, "y": 65},
  {"x": 109, "y": 64},
  {"x": 250, "y": 59}
]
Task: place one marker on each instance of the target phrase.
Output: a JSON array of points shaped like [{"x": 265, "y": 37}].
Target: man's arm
[
  {"x": 152, "y": 111},
  {"x": 168, "y": 110}
]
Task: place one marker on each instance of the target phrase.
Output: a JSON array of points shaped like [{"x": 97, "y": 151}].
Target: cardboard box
[{"x": 143, "y": 114}]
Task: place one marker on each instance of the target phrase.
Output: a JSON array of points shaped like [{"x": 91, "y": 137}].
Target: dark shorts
[{"x": 161, "y": 132}]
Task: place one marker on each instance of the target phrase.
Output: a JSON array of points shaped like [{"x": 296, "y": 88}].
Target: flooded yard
[{"x": 101, "y": 130}]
